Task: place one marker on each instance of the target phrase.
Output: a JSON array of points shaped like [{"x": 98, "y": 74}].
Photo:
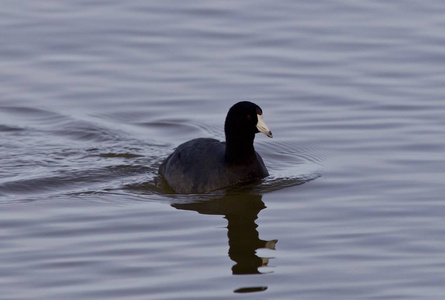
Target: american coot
[{"x": 202, "y": 165}]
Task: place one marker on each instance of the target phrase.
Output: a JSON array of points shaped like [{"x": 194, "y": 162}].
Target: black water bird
[{"x": 204, "y": 164}]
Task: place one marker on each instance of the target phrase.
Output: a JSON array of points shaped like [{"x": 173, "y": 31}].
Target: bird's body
[
  {"x": 204, "y": 164},
  {"x": 199, "y": 166}
]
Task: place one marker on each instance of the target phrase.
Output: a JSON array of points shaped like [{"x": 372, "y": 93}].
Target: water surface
[{"x": 94, "y": 95}]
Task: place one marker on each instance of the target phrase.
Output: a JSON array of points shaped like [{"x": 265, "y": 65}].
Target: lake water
[{"x": 95, "y": 94}]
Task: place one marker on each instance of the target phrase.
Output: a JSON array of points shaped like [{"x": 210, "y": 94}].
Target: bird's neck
[{"x": 240, "y": 150}]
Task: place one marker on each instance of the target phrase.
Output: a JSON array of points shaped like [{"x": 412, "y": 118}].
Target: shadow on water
[{"x": 241, "y": 212}]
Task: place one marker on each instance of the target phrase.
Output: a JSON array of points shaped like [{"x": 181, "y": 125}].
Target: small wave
[
  {"x": 8, "y": 128},
  {"x": 85, "y": 131},
  {"x": 55, "y": 123},
  {"x": 290, "y": 164},
  {"x": 182, "y": 129}
]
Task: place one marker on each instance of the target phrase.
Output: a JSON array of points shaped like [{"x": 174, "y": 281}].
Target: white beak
[{"x": 262, "y": 127}]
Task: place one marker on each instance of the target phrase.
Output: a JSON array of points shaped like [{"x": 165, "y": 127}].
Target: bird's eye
[{"x": 249, "y": 117}]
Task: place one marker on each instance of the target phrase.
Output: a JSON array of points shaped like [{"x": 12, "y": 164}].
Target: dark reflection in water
[{"x": 241, "y": 211}]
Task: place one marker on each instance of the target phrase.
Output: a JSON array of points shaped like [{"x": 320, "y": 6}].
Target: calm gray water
[{"x": 95, "y": 94}]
